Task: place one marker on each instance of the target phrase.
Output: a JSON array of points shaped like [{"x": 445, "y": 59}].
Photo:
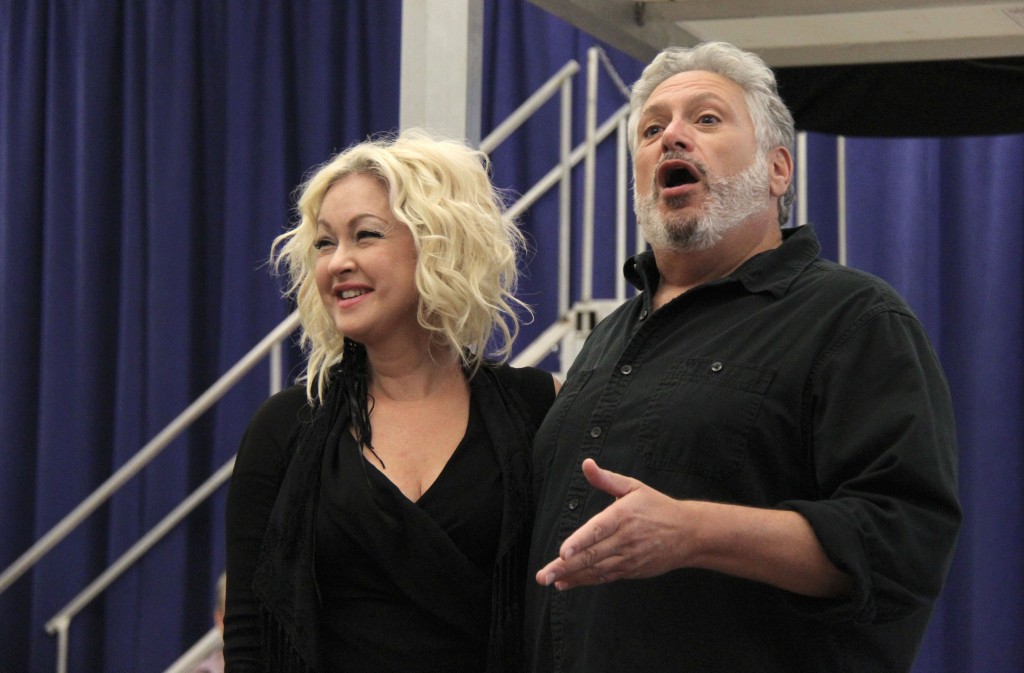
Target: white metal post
[
  {"x": 589, "y": 171},
  {"x": 276, "y": 365},
  {"x": 841, "y": 196},
  {"x": 565, "y": 199},
  {"x": 801, "y": 216},
  {"x": 442, "y": 57},
  {"x": 621, "y": 199},
  {"x": 62, "y": 645}
]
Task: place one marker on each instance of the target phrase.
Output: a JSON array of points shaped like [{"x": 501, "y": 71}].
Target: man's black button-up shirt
[{"x": 793, "y": 383}]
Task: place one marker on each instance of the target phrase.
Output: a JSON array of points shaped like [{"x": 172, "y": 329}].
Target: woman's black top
[
  {"x": 331, "y": 568},
  {"x": 406, "y": 585}
]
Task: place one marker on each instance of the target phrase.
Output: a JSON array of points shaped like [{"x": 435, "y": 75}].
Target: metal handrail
[
  {"x": 560, "y": 81},
  {"x": 147, "y": 453},
  {"x": 61, "y": 621},
  {"x": 544, "y": 344},
  {"x": 212, "y": 642},
  {"x": 144, "y": 544},
  {"x": 528, "y": 107},
  {"x": 551, "y": 177}
]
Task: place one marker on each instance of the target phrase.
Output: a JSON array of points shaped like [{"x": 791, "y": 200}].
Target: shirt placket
[{"x": 594, "y": 433}]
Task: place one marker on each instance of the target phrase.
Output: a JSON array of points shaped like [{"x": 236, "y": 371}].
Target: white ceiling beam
[
  {"x": 615, "y": 22},
  {"x": 806, "y": 32},
  {"x": 691, "y": 10},
  {"x": 890, "y": 52}
]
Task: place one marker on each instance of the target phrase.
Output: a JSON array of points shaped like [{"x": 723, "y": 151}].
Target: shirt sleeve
[
  {"x": 259, "y": 467},
  {"x": 883, "y": 448}
]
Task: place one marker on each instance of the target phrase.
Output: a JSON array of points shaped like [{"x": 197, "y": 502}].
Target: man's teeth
[{"x": 349, "y": 294}]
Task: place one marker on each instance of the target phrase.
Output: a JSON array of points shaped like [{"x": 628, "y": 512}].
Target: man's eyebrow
[
  {"x": 697, "y": 101},
  {"x": 653, "y": 108},
  {"x": 708, "y": 97}
]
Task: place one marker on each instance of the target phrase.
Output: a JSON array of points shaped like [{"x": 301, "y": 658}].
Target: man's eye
[
  {"x": 707, "y": 119},
  {"x": 651, "y": 131}
]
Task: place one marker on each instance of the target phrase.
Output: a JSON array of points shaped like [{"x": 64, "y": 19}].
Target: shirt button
[
  {"x": 574, "y": 503},
  {"x": 643, "y": 314},
  {"x": 595, "y": 432},
  {"x": 716, "y": 366},
  {"x": 627, "y": 370}
]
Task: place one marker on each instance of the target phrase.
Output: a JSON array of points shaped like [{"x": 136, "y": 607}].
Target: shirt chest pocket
[{"x": 699, "y": 417}]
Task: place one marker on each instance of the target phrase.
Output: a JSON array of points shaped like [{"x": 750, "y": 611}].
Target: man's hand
[
  {"x": 646, "y": 533},
  {"x": 636, "y": 536}
]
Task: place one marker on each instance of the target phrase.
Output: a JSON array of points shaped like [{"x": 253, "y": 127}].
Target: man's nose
[{"x": 678, "y": 135}]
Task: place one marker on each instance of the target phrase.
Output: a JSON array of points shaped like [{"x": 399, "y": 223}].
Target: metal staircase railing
[{"x": 565, "y": 335}]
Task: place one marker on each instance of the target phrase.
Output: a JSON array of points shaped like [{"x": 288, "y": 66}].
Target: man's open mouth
[{"x": 676, "y": 174}]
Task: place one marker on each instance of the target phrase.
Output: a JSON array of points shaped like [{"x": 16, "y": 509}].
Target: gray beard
[{"x": 731, "y": 200}]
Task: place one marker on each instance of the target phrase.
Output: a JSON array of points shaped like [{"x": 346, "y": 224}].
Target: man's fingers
[
  {"x": 610, "y": 482},
  {"x": 588, "y": 535},
  {"x": 591, "y": 566}
]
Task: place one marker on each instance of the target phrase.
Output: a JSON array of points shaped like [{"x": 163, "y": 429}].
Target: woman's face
[{"x": 366, "y": 264}]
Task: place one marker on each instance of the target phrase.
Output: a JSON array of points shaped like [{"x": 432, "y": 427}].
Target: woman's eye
[
  {"x": 322, "y": 243},
  {"x": 367, "y": 234}
]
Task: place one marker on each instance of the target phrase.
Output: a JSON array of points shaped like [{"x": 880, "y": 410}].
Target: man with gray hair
[{"x": 751, "y": 465}]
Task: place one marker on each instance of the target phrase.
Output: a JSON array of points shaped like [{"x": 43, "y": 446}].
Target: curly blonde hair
[{"x": 467, "y": 248}]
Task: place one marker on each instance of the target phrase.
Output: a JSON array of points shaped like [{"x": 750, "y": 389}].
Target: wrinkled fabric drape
[
  {"x": 149, "y": 151},
  {"x": 148, "y": 154},
  {"x": 946, "y": 227}
]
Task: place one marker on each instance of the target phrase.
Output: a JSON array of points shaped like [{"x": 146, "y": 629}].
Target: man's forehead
[
  {"x": 696, "y": 88},
  {"x": 698, "y": 83}
]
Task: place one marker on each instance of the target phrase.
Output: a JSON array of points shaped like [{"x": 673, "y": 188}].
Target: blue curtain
[
  {"x": 148, "y": 152},
  {"x": 147, "y": 155}
]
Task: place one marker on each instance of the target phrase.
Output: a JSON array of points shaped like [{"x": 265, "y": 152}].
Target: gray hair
[{"x": 773, "y": 122}]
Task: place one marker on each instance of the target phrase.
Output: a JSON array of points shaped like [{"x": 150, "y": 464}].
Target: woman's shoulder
[
  {"x": 525, "y": 378},
  {"x": 275, "y": 423},
  {"x": 284, "y": 408},
  {"x": 535, "y": 387}
]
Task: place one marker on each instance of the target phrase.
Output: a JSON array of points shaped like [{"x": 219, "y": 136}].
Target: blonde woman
[{"x": 379, "y": 511}]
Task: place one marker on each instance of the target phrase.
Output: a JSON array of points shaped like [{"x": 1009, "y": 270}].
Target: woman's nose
[{"x": 341, "y": 260}]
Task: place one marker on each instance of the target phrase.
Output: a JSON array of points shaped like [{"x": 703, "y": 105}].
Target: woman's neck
[{"x": 413, "y": 374}]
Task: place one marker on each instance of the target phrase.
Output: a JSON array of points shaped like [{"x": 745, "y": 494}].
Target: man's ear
[{"x": 780, "y": 171}]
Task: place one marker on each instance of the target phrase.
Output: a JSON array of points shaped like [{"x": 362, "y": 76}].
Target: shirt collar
[{"x": 772, "y": 271}]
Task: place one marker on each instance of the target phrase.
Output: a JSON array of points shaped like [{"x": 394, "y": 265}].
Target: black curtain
[{"x": 965, "y": 97}]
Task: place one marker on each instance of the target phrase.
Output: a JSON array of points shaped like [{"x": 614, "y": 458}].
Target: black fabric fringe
[
  {"x": 354, "y": 380},
  {"x": 279, "y": 653}
]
